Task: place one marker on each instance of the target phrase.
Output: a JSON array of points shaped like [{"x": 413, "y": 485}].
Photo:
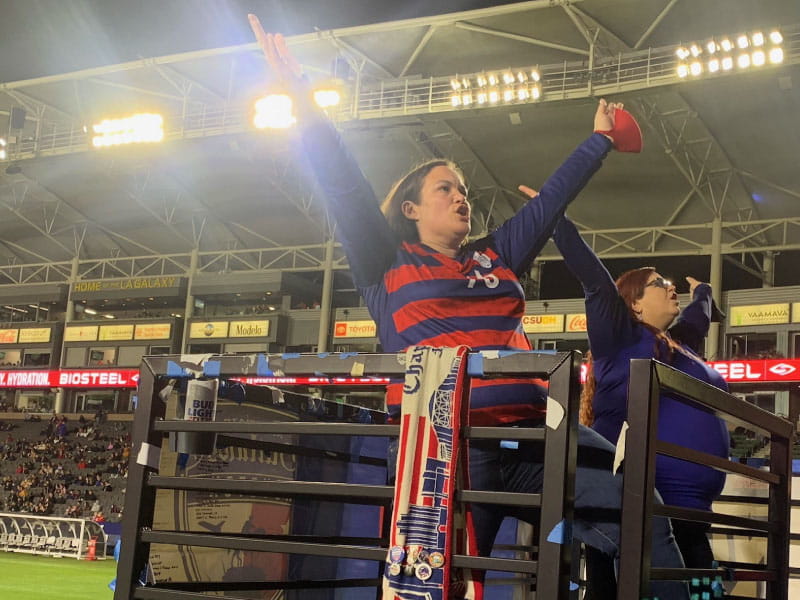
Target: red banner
[
  {"x": 742, "y": 371},
  {"x": 72, "y": 378}
]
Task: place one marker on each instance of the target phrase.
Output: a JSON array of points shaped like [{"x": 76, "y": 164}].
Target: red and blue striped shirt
[{"x": 419, "y": 296}]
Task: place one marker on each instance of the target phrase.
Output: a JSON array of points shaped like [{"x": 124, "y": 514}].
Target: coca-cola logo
[{"x": 577, "y": 323}]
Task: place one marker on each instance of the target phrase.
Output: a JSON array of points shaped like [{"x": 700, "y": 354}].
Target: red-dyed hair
[{"x": 631, "y": 285}]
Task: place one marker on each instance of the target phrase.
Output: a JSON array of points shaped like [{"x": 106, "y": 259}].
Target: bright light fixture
[
  {"x": 758, "y": 58},
  {"x": 743, "y": 61},
  {"x": 726, "y": 45},
  {"x": 683, "y": 70},
  {"x": 325, "y": 98},
  {"x": 274, "y": 112},
  {"x": 775, "y": 37},
  {"x": 742, "y": 42},
  {"x": 713, "y": 65},
  {"x": 727, "y": 63},
  {"x": 757, "y": 38},
  {"x": 140, "y": 128},
  {"x": 776, "y": 56},
  {"x": 682, "y": 53},
  {"x": 696, "y": 68}
]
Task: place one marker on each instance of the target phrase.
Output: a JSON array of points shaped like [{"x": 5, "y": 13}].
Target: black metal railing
[
  {"x": 150, "y": 428},
  {"x": 649, "y": 380}
]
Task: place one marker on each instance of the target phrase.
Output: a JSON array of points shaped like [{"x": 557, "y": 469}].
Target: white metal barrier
[{"x": 51, "y": 536}]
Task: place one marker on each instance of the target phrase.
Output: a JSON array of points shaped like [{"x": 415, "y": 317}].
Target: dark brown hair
[
  {"x": 408, "y": 188},
  {"x": 631, "y": 285}
]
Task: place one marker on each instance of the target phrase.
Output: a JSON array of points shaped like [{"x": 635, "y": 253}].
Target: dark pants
[
  {"x": 692, "y": 539},
  {"x": 598, "y": 499}
]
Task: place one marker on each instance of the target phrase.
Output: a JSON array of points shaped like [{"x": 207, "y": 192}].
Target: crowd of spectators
[{"x": 69, "y": 469}]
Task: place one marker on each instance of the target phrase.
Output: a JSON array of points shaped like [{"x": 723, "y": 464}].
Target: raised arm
[
  {"x": 608, "y": 321},
  {"x": 362, "y": 229},
  {"x": 523, "y": 236},
  {"x": 691, "y": 327}
]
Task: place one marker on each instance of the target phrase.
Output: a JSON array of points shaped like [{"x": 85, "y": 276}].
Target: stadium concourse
[{"x": 205, "y": 236}]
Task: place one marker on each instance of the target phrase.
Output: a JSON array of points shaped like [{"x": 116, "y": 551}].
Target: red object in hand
[{"x": 626, "y": 135}]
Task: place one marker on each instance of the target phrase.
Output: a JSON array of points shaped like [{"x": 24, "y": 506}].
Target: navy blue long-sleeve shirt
[{"x": 615, "y": 338}]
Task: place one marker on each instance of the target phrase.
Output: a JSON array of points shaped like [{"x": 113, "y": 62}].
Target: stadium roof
[{"x": 718, "y": 147}]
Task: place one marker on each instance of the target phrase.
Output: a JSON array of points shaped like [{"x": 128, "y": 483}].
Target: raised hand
[
  {"x": 281, "y": 62},
  {"x": 529, "y": 192},
  {"x": 693, "y": 283},
  {"x": 604, "y": 116}
]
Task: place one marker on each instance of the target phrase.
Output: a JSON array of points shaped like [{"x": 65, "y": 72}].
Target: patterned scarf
[{"x": 427, "y": 527}]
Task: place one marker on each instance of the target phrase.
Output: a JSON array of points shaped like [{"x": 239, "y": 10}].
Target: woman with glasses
[{"x": 639, "y": 316}]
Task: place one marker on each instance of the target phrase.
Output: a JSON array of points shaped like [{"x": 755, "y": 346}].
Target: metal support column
[
  {"x": 712, "y": 342},
  {"x": 188, "y": 308},
  {"x": 326, "y": 301},
  {"x": 69, "y": 316}
]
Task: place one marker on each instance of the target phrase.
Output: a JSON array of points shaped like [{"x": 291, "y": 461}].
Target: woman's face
[
  {"x": 659, "y": 304},
  {"x": 443, "y": 213}
]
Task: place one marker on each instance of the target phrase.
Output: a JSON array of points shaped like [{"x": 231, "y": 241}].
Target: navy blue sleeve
[
  {"x": 692, "y": 325},
  {"x": 608, "y": 321},
  {"x": 369, "y": 243},
  {"x": 523, "y": 236}
]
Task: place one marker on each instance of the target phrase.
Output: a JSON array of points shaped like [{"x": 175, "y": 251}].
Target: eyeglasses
[{"x": 659, "y": 282}]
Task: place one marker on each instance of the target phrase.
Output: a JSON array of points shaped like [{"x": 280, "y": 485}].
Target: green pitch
[{"x": 31, "y": 577}]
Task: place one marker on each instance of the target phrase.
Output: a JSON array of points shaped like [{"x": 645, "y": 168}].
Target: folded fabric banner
[{"x": 427, "y": 526}]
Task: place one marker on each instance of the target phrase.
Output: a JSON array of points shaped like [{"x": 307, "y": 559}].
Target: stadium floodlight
[
  {"x": 682, "y": 53},
  {"x": 494, "y": 96},
  {"x": 776, "y": 56},
  {"x": 274, "y": 112},
  {"x": 466, "y": 99},
  {"x": 508, "y": 77},
  {"x": 742, "y": 50},
  {"x": 136, "y": 129},
  {"x": 3, "y": 153},
  {"x": 455, "y": 84},
  {"x": 508, "y": 94},
  {"x": 327, "y": 97}
]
